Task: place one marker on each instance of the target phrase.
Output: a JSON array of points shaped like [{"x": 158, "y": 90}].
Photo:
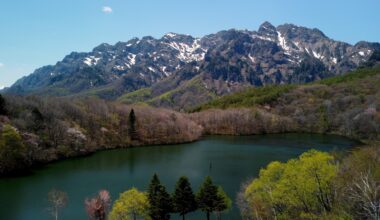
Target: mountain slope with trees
[
  {"x": 43, "y": 129},
  {"x": 346, "y": 105}
]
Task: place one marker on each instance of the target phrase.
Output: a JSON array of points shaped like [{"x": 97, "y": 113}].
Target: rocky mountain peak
[
  {"x": 267, "y": 28},
  {"x": 178, "y": 37},
  {"x": 292, "y": 31},
  {"x": 102, "y": 47}
]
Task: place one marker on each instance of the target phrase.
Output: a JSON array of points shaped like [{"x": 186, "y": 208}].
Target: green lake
[{"x": 228, "y": 160}]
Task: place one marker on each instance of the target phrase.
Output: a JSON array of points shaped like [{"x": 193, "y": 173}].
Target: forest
[
  {"x": 37, "y": 130},
  {"x": 43, "y": 129}
]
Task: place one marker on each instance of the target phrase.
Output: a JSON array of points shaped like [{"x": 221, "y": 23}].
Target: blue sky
[{"x": 40, "y": 32}]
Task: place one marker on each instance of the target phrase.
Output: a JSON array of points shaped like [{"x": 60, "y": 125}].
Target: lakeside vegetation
[
  {"x": 156, "y": 203},
  {"x": 316, "y": 185},
  {"x": 39, "y": 130}
]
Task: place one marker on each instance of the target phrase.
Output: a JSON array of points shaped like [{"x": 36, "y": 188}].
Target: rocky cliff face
[{"x": 180, "y": 67}]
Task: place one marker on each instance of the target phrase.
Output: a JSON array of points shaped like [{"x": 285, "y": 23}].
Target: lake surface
[{"x": 233, "y": 160}]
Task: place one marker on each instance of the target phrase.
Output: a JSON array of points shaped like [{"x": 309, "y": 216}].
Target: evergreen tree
[
  {"x": 223, "y": 202},
  {"x": 3, "y": 110},
  {"x": 38, "y": 119},
  {"x": 183, "y": 198},
  {"x": 132, "y": 125},
  {"x": 159, "y": 200},
  {"x": 207, "y": 197}
]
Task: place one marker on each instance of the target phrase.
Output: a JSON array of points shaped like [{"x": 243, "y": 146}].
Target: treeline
[
  {"x": 347, "y": 105},
  {"x": 155, "y": 204},
  {"x": 242, "y": 121},
  {"x": 317, "y": 185},
  {"x": 39, "y": 130}
]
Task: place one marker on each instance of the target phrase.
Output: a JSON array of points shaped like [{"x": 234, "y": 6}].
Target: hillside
[
  {"x": 346, "y": 105},
  {"x": 45, "y": 129},
  {"x": 265, "y": 95},
  {"x": 180, "y": 71}
]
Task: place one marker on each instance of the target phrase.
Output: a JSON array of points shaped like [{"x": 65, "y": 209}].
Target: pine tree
[
  {"x": 159, "y": 200},
  {"x": 207, "y": 197},
  {"x": 132, "y": 125},
  {"x": 223, "y": 202},
  {"x": 3, "y": 110},
  {"x": 38, "y": 119},
  {"x": 183, "y": 198}
]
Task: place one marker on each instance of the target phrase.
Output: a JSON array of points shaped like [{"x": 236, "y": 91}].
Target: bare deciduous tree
[
  {"x": 57, "y": 200},
  {"x": 366, "y": 193}
]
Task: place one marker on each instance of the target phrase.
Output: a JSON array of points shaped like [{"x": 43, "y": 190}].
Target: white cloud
[
  {"x": 2, "y": 87},
  {"x": 1, "y": 65},
  {"x": 107, "y": 9}
]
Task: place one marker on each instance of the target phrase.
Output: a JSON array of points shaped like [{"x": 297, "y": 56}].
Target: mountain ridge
[{"x": 220, "y": 63}]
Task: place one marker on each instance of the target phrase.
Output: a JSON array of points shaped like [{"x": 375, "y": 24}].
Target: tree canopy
[
  {"x": 300, "y": 188},
  {"x": 211, "y": 198},
  {"x": 13, "y": 152},
  {"x": 183, "y": 198},
  {"x": 98, "y": 206},
  {"x": 3, "y": 109},
  {"x": 57, "y": 200},
  {"x": 159, "y": 200},
  {"x": 132, "y": 125},
  {"x": 130, "y": 205}
]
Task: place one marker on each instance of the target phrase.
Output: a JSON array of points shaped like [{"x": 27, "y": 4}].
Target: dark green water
[{"x": 233, "y": 159}]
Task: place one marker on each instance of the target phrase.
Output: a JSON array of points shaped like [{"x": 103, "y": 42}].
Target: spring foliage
[
  {"x": 12, "y": 150},
  {"x": 301, "y": 188},
  {"x": 130, "y": 205}
]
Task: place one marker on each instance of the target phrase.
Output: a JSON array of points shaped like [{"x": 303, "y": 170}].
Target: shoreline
[{"x": 41, "y": 165}]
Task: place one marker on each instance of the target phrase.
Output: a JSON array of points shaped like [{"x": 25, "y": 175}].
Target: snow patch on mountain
[
  {"x": 132, "y": 59},
  {"x": 163, "y": 69},
  {"x": 317, "y": 55},
  {"x": 170, "y": 35},
  {"x": 91, "y": 60},
  {"x": 252, "y": 58},
  {"x": 282, "y": 42},
  {"x": 188, "y": 53},
  {"x": 298, "y": 45},
  {"x": 262, "y": 37}
]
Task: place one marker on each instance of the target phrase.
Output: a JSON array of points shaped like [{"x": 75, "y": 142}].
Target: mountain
[{"x": 181, "y": 71}]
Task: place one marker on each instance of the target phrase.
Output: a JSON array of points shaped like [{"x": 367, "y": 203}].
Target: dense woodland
[
  {"x": 346, "y": 105},
  {"x": 38, "y": 130}
]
